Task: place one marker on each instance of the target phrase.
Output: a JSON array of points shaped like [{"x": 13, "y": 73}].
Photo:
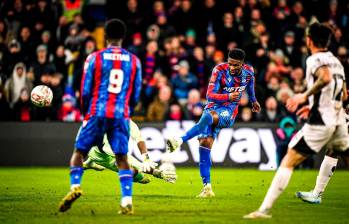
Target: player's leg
[
  {"x": 309, "y": 140},
  {"x": 118, "y": 136},
  {"x": 336, "y": 147},
  {"x": 208, "y": 118},
  {"x": 205, "y": 166},
  {"x": 279, "y": 183},
  {"x": 326, "y": 171},
  {"x": 90, "y": 133}
]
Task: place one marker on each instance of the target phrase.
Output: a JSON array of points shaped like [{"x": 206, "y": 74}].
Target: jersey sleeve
[
  {"x": 87, "y": 82},
  {"x": 250, "y": 88},
  {"x": 135, "y": 132},
  {"x": 213, "y": 88},
  {"x": 315, "y": 62},
  {"x": 137, "y": 84}
]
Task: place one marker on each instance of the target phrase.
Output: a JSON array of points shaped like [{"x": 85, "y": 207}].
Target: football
[{"x": 41, "y": 96}]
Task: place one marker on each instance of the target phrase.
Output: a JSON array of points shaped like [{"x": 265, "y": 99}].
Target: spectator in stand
[
  {"x": 165, "y": 29},
  {"x": 28, "y": 45},
  {"x": 62, "y": 29},
  {"x": 290, "y": 50},
  {"x": 23, "y": 109},
  {"x": 42, "y": 68},
  {"x": 278, "y": 66},
  {"x": 175, "y": 113},
  {"x": 15, "y": 56},
  {"x": 183, "y": 82},
  {"x": 47, "y": 41},
  {"x": 218, "y": 57},
  {"x": 16, "y": 84},
  {"x": 343, "y": 56},
  {"x": 193, "y": 108},
  {"x": 137, "y": 44},
  {"x": 190, "y": 42},
  {"x": 299, "y": 83},
  {"x": 5, "y": 111},
  {"x": 184, "y": 17},
  {"x": 159, "y": 107},
  {"x": 272, "y": 113},
  {"x": 57, "y": 90},
  {"x": 150, "y": 61},
  {"x": 61, "y": 60},
  {"x": 68, "y": 111},
  {"x": 88, "y": 48},
  {"x": 286, "y": 130},
  {"x": 73, "y": 41},
  {"x": 153, "y": 86},
  {"x": 201, "y": 69},
  {"x": 228, "y": 33}
]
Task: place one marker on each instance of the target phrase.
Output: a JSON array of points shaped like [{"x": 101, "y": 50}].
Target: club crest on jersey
[
  {"x": 235, "y": 89},
  {"x": 229, "y": 79},
  {"x": 224, "y": 114}
]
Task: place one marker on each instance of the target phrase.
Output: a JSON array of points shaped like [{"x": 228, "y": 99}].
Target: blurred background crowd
[{"x": 178, "y": 42}]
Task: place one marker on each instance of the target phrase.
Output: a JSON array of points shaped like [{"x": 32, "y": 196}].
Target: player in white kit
[{"x": 325, "y": 126}]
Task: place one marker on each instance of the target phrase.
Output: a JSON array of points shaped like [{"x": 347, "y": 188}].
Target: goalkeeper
[{"x": 103, "y": 157}]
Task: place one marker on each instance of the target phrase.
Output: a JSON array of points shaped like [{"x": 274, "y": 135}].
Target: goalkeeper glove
[{"x": 148, "y": 165}]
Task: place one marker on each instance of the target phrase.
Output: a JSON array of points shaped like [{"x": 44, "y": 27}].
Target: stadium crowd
[{"x": 178, "y": 42}]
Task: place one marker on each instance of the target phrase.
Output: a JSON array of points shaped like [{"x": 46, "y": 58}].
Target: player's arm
[
  {"x": 213, "y": 88},
  {"x": 251, "y": 94},
  {"x": 148, "y": 164},
  {"x": 87, "y": 83},
  {"x": 137, "y": 85},
  {"x": 345, "y": 97},
  {"x": 323, "y": 76}
]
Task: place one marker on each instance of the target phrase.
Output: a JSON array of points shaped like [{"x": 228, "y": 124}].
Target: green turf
[{"x": 31, "y": 195}]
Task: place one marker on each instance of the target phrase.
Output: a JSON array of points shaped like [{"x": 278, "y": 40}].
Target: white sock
[
  {"x": 74, "y": 186},
  {"x": 127, "y": 200},
  {"x": 279, "y": 183},
  {"x": 208, "y": 185},
  {"x": 327, "y": 168}
]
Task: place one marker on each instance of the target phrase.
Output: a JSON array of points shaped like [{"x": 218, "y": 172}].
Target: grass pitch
[{"x": 31, "y": 195}]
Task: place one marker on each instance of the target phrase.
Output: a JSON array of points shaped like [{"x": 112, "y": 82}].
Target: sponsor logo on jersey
[{"x": 235, "y": 89}]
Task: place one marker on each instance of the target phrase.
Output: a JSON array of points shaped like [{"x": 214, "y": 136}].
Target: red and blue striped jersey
[
  {"x": 111, "y": 83},
  {"x": 222, "y": 82}
]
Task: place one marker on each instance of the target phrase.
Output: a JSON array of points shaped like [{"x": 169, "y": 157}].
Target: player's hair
[
  {"x": 320, "y": 34},
  {"x": 237, "y": 54},
  {"x": 115, "y": 29}
]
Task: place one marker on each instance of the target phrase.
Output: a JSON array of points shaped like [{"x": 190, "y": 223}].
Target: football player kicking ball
[
  {"x": 98, "y": 159},
  {"x": 227, "y": 83},
  {"x": 326, "y": 123}
]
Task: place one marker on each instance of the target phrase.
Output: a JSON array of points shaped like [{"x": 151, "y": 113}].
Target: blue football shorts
[
  {"x": 94, "y": 128},
  {"x": 226, "y": 119}
]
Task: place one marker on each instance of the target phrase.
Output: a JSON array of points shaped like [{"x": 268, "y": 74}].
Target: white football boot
[
  {"x": 173, "y": 144},
  {"x": 257, "y": 215},
  {"x": 206, "y": 192},
  {"x": 309, "y": 196}
]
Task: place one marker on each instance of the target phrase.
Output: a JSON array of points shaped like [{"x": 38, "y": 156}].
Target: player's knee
[
  {"x": 332, "y": 153},
  {"x": 121, "y": 161},
  {"x": 206, "y": 142},
  {"x": 292, "y": 159}
]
